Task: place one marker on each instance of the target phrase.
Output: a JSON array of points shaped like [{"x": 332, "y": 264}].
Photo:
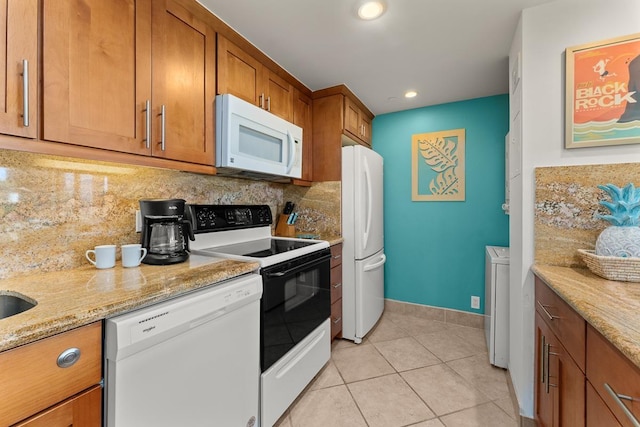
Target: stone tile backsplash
[
  {"x": 567, "y": 200},
  {"x": 53, "y": 209}
]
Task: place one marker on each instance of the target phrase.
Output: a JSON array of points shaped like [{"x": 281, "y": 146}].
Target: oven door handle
[{"x": 300, "y": 267}]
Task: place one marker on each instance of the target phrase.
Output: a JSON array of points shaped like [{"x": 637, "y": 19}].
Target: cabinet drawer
[
  {"x": 598, "y": 414},
  {"x": 84, "y": 409},
  {"x": 336, "y": 283},
  {"x": 606, "y": 365},
  {"x": 336, "y": 318},
  {"x": 569, "y": 326},
  {"x": 336, "y": 255},
  {"x": 31, "y": 379}
]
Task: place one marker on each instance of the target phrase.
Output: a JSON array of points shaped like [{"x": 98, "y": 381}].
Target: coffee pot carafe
[{"x": 165, "y": 232}]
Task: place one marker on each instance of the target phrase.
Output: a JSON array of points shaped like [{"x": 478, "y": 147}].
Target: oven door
[{"x": 296, "y": 299}]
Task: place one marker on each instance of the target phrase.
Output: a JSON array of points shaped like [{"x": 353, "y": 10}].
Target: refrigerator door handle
[
  {"x": 370, "y": 267},
  {"x": 367, "y": 182}
]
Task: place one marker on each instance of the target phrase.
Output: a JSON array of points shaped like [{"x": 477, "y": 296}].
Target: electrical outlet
[
  {"x": 138, "y": 222},
  {"x": 475, "y": 302}
]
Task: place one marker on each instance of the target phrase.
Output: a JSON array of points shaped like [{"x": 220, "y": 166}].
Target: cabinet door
[
  {"x": 366, "y": 129},
  {"x": 545, "y": 394},
  {"x": 598, "y": 415},
  {"x": 19, "y": 43},
  {"x": 96, "y": 72},
  {"x": 611, "y": 373},
  {"x": 302, "y": 110},
  {"x": 560, "y": 384},
  {"x": 239, "y": 73},
  {"x": 83, "y": 410},
  {"x": 278, "y": 95},
  {"x": 328, "y": 116},
  {"x": 183, "y": 84},
  {"x": 352, "y": 122}
]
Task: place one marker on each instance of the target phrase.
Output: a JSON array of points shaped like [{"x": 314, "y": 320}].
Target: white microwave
[{"x": 255, "y": 143}]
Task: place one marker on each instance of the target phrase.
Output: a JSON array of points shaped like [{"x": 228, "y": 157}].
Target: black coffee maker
[{"x": 165, "y": 232}]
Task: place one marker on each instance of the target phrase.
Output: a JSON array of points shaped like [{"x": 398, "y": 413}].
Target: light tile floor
[{"x": 408, "y": 371}]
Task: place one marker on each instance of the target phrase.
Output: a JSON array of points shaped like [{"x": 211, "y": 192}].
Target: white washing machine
[{"x": 496, "y": 321}]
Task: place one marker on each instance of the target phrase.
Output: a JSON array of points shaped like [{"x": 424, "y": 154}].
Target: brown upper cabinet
[
  {"x": 339, "y": 118},
  {"x": 130, "y": 76},
  {"x": 302, "y": 116},
  {"x": 19, "y": 71},
  {"x": 357, "y": 123},
  {"x": 242, "y": 75}
]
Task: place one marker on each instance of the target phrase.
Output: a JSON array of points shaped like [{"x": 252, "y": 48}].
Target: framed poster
[
  {"x": 602, "y": 93},
  {"x": 437, "y": 166}
]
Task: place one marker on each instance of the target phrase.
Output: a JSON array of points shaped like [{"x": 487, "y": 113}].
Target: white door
[
  {"x": 368, "y": 220},
  {"x": 369, "y": 293}
]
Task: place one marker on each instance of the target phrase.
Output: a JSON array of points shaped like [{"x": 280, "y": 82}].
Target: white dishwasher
[{"x": 190, "y": 361}]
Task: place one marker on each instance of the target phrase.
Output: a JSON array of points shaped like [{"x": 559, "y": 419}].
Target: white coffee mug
[
  {"x": 132, "y": 254},
  {"x": 105, "y": 256}
]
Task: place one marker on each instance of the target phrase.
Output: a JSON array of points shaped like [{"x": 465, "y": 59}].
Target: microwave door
[{"x": 257, "y": 148}]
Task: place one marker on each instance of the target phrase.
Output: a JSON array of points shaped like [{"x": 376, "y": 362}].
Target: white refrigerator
[{"x": 363, "y": 241}]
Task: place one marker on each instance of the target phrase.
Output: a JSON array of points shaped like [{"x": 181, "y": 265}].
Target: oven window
[{"x": 293, "y": 305}]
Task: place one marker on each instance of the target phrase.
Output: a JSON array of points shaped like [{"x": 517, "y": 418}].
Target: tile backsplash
[
  {"x": 53, "y": 208},
  {"x": 567, "y": 200}
]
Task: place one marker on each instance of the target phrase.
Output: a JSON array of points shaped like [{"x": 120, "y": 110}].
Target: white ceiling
[{"x": 446, "y": 50}]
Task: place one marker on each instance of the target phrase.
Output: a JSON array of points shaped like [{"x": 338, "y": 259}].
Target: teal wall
[{"x": 436, "y": 250}]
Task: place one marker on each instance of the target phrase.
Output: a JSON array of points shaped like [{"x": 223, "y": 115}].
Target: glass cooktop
[
  {"x": 262, "y": 248},
  {"x": 278, "y": 247}
]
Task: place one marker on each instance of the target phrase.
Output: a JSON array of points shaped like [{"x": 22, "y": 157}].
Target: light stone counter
[
  {"x": 612, "y": 308},
  {"x": 72, "y": 298}
]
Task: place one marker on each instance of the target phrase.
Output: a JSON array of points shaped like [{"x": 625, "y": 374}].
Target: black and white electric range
[{"x": 296, "y": 301}]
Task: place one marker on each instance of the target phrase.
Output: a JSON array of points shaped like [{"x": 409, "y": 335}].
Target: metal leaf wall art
[{"x": 438, "y": 166}]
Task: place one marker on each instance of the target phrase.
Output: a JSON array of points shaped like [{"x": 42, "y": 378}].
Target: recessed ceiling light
[
  {"x": 410, "y": 94},
  {"x": 371, "y": 10}
]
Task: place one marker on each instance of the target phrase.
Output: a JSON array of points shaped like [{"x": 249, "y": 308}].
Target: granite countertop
[
  {"x": 73, "y": 298},
  {"x": 612, "y": 308},
  {"x": 333, "y": 240}
]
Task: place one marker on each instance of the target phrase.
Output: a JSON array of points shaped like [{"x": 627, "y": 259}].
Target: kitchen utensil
[{"x": 288, "y": 208}]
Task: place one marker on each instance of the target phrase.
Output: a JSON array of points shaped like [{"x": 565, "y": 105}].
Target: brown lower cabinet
[
  {"x": 605, "y": 393},
  {"x": 37, "y": 390},
  {"x": 560, "y": 398},
  {"x": 598, "y": 414},
  {"x": 615, "y": 379},
  {"x": 83, "y": 410},
  {"x": 336, "y": 291}
]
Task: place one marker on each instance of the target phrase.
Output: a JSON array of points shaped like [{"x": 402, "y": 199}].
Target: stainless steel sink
[{"x": 14, "y": 303}]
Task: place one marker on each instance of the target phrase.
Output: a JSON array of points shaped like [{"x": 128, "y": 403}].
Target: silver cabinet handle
[
  {"x": 261, "y": 101},
  {"x": 549, "y": 315},
  {"x": 337, "y": 285},
  {"x": 546, "y": 367},
  {"x": 163, "y": 122},
  {"x": 268, "y": 103},
  {"x": 147, "y": 124},
  {"x": 25, "y": 93},
  {"x": 335, "y": 322},
  {"x": 337, "y": 256},
  {"x": 68, "y": 357},
  {"x": 617, "y": 397},
  {"x": 543, "y": 347}
]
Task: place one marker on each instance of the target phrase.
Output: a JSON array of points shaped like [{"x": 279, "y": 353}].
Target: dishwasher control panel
[{"x": 181, "y": 313}]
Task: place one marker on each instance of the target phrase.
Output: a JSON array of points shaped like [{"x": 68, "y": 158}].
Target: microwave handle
[{"x": 292, "y": 151}]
